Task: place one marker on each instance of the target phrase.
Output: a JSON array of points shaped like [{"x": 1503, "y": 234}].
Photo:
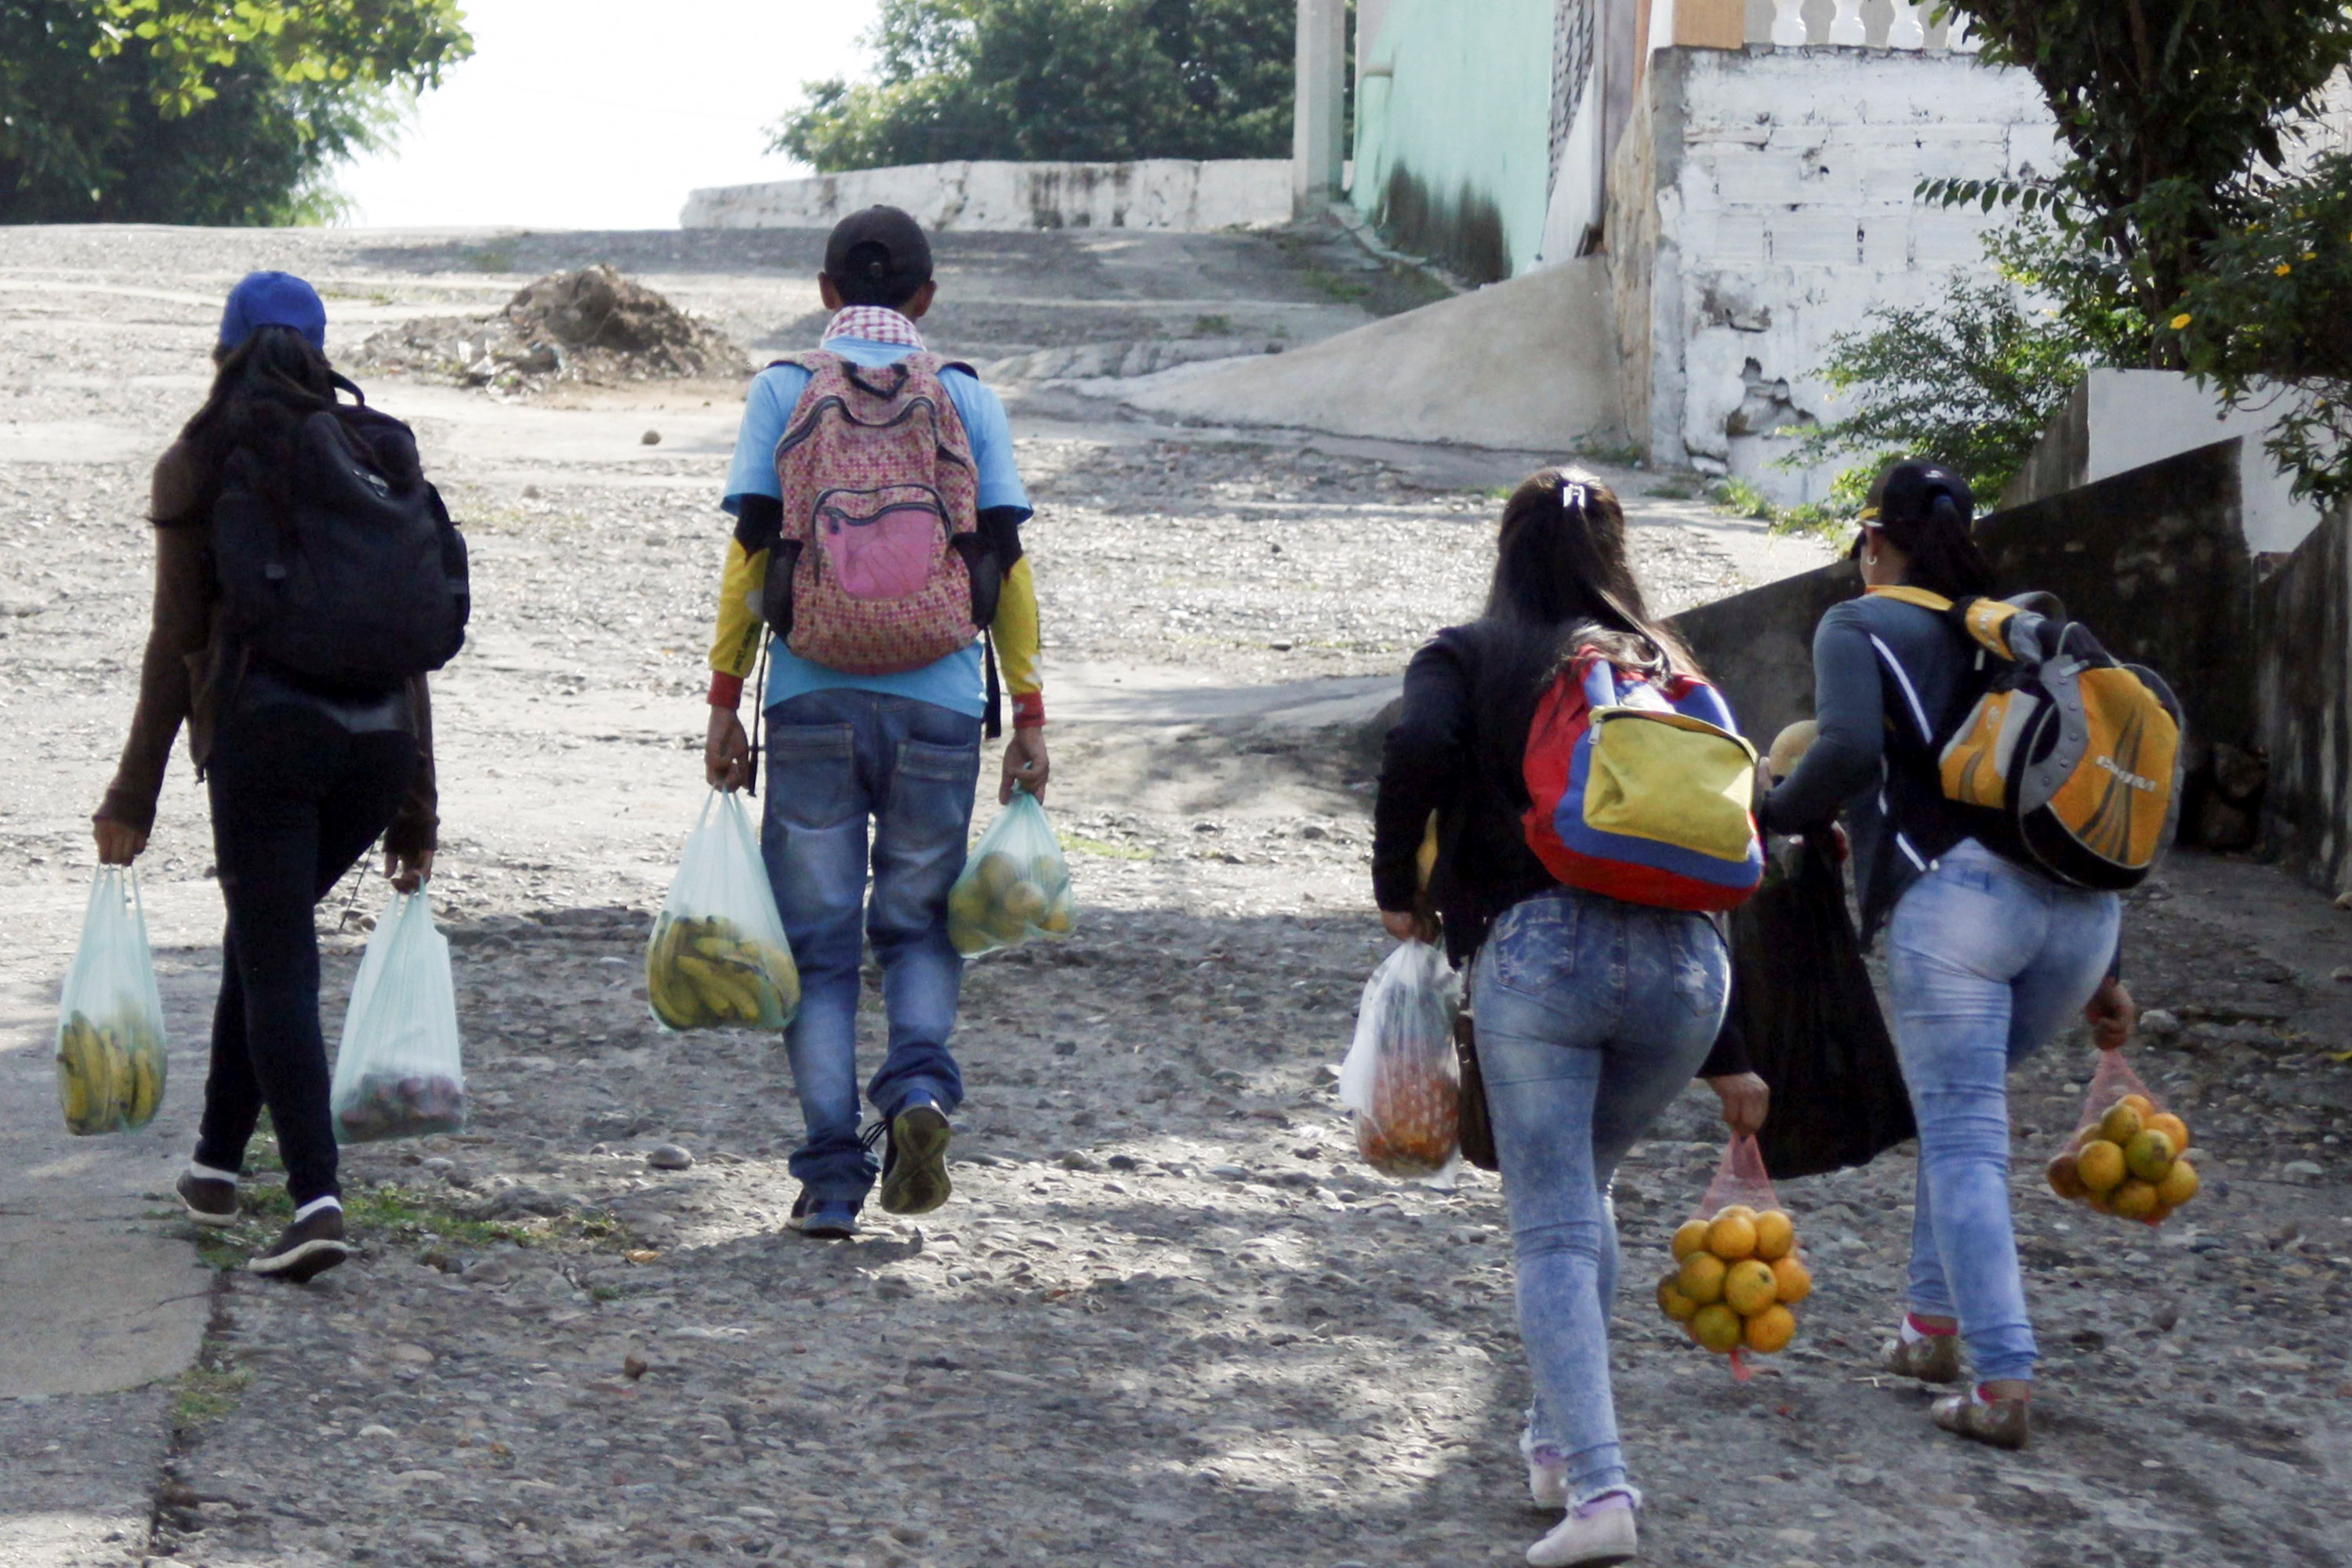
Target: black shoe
[
  {"x": 915, "y": 1162},
  {"x": 824, "y": 1219},
  {"x": 209, "y": 1200},
  {"x": 305, "y": 1249}
]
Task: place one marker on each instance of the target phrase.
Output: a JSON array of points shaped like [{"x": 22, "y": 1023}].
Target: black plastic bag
[{"x": 1802, "y": 999}]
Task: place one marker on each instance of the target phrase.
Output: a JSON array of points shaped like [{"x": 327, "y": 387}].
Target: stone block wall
[
  {"x": 1762, "y": 202},
  {"x": 2304, "y": 686}
]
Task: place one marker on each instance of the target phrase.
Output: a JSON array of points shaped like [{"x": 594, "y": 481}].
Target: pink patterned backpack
[{"x": 880, "y": 566}]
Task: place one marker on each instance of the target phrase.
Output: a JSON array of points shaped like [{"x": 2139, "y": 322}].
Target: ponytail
[{"x": 1927, "y": 511}]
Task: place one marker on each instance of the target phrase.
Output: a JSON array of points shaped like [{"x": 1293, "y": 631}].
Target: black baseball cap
[{"x": 882, "y": 249}]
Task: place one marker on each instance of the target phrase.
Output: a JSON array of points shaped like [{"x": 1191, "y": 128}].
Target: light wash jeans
[
  {"x": 836, "y": 760},
  {"x": 1593, "y": 1014},
  {"x": 1986, "y": 961}
]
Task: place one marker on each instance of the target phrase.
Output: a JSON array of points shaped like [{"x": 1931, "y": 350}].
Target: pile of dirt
[{"x": 596, "y": 325}]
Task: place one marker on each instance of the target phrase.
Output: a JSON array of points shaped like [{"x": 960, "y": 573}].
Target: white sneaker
[
  {"x": 1595, "y": 1532},
  {"x": 1547, "y": 1476}
]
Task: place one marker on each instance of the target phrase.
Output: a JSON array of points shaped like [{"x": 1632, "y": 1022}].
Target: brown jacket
[{"x": 175, "y": 679}]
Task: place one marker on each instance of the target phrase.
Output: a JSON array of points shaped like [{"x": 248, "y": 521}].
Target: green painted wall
[{"x": 1453, "y": 131}]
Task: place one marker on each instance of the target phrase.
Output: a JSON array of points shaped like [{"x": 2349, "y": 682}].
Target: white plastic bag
[
  {"x": 1015, "y": 885},
  {"x": 399, "y": 1072},
  {"x": 719, "y": 959},
  {"x": 109, "y": 1039},
  {"x": 1402, "y": 1077}
]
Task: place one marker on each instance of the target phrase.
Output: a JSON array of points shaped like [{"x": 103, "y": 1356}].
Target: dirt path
[{"x": 1169, "y": 1317}]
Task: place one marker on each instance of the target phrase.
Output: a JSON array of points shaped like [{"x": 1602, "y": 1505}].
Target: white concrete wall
[
  {"x": 1782, "y": 208},
  {"x": 1181, "y": 194},
  {"x": 2118, "y": 420}
]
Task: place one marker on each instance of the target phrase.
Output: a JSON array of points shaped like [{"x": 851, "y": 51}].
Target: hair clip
[{"x": 1574, "y": 494}]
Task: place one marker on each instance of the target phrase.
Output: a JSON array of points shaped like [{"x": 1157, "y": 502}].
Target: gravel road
[{"x": 1168, "y": 1317}]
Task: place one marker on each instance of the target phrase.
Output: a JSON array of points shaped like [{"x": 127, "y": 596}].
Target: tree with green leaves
[
  {"x": 2174, "y": 116},
  {"x": 1058, "y": 79},
  {"x": 208, "y": 111}
]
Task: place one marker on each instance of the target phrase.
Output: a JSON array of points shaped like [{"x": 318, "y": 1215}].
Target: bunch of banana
[
  {"x": 706, "y": 973},
  {"x": 109, "y": 1079}
]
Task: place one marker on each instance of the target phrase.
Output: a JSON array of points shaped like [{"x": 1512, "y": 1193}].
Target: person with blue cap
[{"x": 308, "y": 717}]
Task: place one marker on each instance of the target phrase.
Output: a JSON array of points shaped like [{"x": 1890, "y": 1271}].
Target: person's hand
[
  {"x": 1026, "y": 764},
  {"x": 407, "y": 871},
  {"x": 1409, "y": 925},
  {"x": 119, "y": 842},
  {"x": 726, "y": 751},
  {"x": 2111, "y": 1015},
  {"x": 1747, "y": 1099}
]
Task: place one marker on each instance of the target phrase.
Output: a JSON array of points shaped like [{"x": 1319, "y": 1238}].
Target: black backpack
[{"x": 335, "y": 571}]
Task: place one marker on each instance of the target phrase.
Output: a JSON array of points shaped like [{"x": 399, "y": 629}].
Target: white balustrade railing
[{"x": 1848, "y": 24}]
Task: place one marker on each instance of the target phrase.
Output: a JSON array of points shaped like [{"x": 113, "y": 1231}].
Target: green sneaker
[{"x": 914, "y": 1161}]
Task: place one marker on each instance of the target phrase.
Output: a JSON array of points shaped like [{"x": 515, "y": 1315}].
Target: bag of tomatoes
[
  {"x": 2128, "y": 1155},
  {"x": 1737, "y": 1274}
]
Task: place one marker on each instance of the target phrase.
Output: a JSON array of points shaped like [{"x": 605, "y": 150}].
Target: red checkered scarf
[{"x": 873, "y": 325}]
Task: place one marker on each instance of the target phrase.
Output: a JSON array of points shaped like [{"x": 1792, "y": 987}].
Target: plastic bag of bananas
[
  {"x": 719, "y": 959},
  {"x": 400, "y": 1071},
  {"x": 110, "y": 1043}
]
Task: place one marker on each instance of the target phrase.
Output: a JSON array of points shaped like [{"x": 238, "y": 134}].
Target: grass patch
[
  {"x": 401, "y": 1215},
  {"x": 1345, "y": 289},
  {"x": 204, "y": 1394},
  {"x": 1738, "y": 498},
  {"x": 1107, "y": 851},
  {"x": 1674, "y": 489},
  {"x": 490, "y": 258},
  {"x": 1213, "y": 326},
  {"x": 1616, "y": 454}
]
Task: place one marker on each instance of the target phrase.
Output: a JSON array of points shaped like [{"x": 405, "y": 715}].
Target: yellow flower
[
  {"x": 2311, "y": 255},
  {"x": 2180, "y": 322},
  {"x": 2282, "y": 269}
]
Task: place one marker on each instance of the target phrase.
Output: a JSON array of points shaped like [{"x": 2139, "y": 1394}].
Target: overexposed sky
[{"x": 603, "y": 113}]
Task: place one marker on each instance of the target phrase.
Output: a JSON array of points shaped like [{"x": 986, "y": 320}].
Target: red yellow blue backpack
[
  {"x": 1641, "y": 789},
  {"x": 2078, "y": 751}
]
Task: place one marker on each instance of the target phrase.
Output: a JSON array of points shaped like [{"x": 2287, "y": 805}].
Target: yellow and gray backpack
[{"x": 2079, "y": 753}]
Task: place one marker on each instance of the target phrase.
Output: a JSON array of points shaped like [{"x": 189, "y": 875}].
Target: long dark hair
[
  {"x": 1926, "y": 511},
  {"x": 263, "y": 390},
  {"x": 1562, "y": 581}
]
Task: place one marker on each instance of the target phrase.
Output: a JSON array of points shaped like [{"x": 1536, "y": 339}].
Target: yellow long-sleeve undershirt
[{"x": 735, "y": 646}]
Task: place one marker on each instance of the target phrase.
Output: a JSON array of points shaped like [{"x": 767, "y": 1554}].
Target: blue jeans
[
  {"x": 836, "y": 760},
  {"x": 1986, "y": 961},
  {"x": 1593, "y": 1014}
]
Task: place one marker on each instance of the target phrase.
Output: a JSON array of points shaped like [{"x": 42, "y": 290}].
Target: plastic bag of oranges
[
  {"x": 2128, "y": 1156},
  {"x": 1737, "y": 1274},
  {"x": 1402, "y": 1077}
]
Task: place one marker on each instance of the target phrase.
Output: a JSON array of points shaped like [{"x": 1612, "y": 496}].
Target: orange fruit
[
  {"x": 2101, "y": 1166},
  {"x": 1771, "y": 1330},
  {"x": 1791, "y": 1281},
  {"x": 1672, "y": 1302},
  {"x": 2065, "y": 1178},
  {"x": 1742, "y": 1210},
  {"x": 1716, "y": 1327},
  {"x": 2135, "y": 1199},
  {"x": 2141, "y": 1103},
  {"x": 1749, "y": 1287},
  {"x": 2149, "y": 1155},
  {"x": 1702, "y": 1278},
  {"x": 1775, "y": 1235},
  {"x": 1732, "y": 1237},
  {"x": 2172, "y": 1127},
  {"x": 1689, "y": 1237},
  {"x": 2101, "y": 1202},
  {"x": 2179, "y": 1184},
  {"x": 2083, "y": 1135},
  {"x": 2122, "y": 1124}
]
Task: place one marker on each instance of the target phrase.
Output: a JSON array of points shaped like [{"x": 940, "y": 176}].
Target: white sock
[
  {"x": 206, "y": 1174},
  {"x": 315, "y": 1204}
]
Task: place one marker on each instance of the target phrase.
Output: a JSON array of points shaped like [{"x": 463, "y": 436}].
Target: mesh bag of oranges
[
  {"x": 1737, "y": 1274},
  {"x": 2129, "y": 1156}
]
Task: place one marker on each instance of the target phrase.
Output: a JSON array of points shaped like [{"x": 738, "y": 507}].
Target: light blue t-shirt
[{"x": 957, "y": 682}]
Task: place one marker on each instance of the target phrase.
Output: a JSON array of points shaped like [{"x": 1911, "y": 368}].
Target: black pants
[{"x": 296, "y": 801}]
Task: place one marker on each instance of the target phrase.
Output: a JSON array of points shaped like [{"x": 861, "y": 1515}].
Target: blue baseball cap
[{"x": 274, "y": 299}]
